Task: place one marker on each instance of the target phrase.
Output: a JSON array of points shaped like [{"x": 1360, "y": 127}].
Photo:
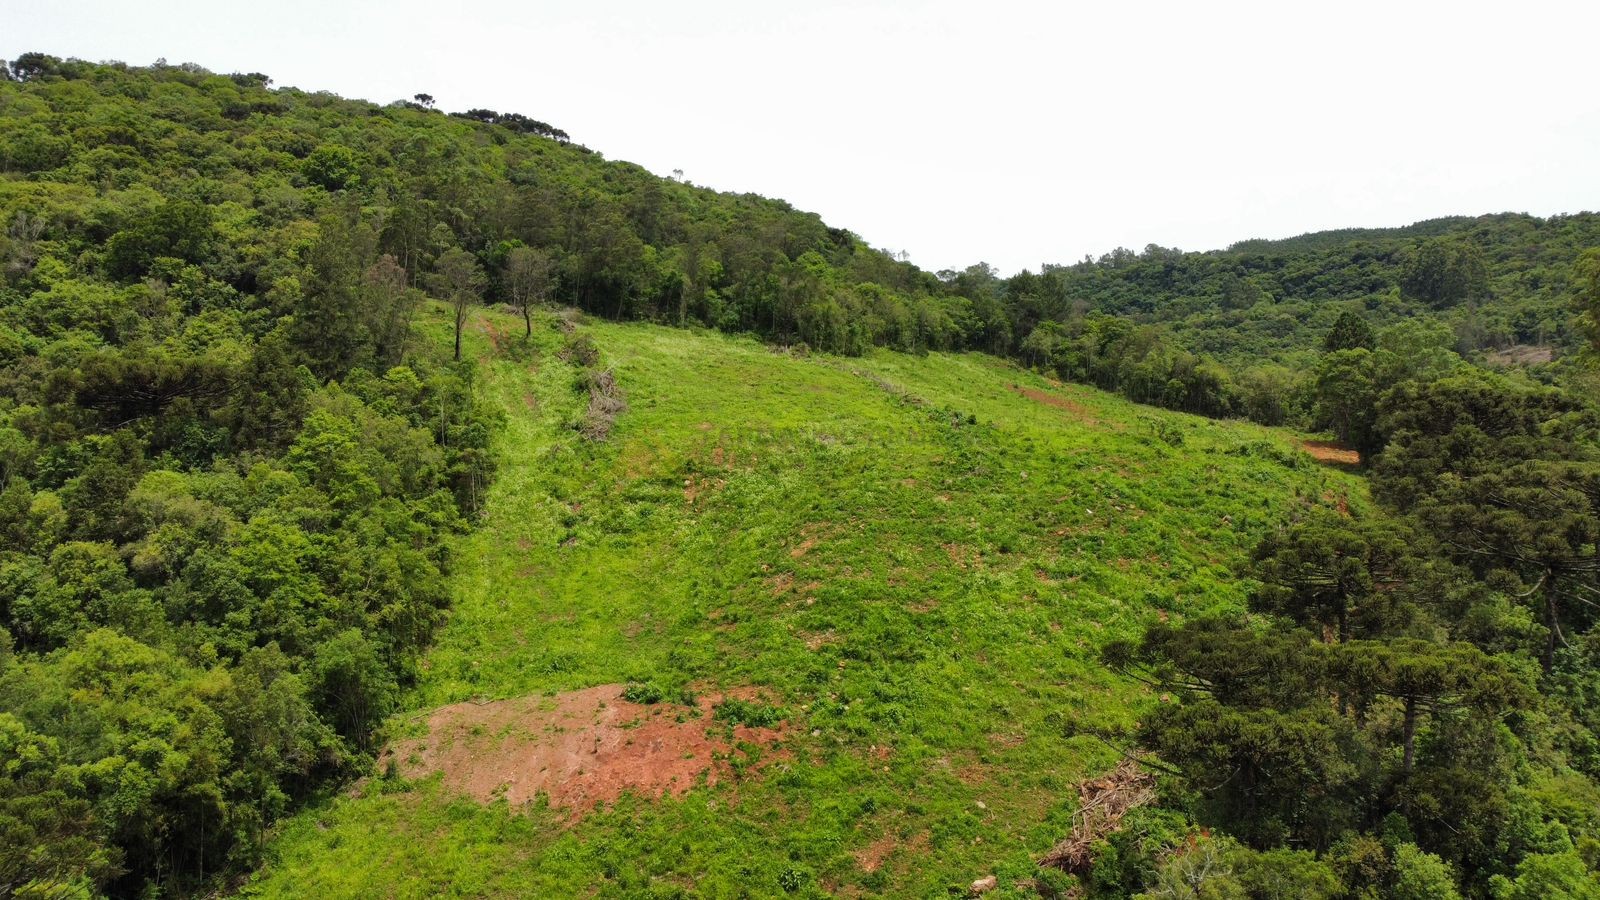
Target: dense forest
[
  {"x": 229, "y": 476},
  {"x": 1408, "y": 710}
]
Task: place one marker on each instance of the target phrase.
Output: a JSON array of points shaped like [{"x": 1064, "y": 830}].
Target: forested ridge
[{"x": 231, "y": 476}]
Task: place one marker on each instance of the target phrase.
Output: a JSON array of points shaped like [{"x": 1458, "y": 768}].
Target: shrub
[{"x": 745, "y": 712}]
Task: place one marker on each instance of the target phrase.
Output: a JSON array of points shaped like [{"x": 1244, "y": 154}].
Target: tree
[
  {"x": 180, "y": 229},
  {"x": 30, "y": 66},
  {"x": 1587, "y": 272},
  {"x": 1251, "y": 728},
  {"x": 390, "y": 305},
  {"x": 1420, "y": 875},
  {"x": 48, "y": 841},
  {"x": 1427, "y": 679},
  {"x": 333, "y": 166},
  {"x": 1549, "y": 876},
  {"x": 1443, "y": 272},
  {"x": 528, "y": 276},
  {"x": 1538, "y": 520},
  {"x": 1348, "y": 385},
  {"x": 1350, "y": 332},
  {"x": 460, "y": 279},
  {"x": 1334, "y": 574},
  {"x": 1268, "y": 776},
  {"x": 1508, "y": 479},
  {"x": 424, "y": 99},
  {"x": 331, "y": 320},
  {"x": 349, "y": 680}
]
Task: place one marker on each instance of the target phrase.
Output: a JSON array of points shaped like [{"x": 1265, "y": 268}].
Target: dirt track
[
  {"x": 1078, "y": 410},
  {"x": 1331, "y": 452}
]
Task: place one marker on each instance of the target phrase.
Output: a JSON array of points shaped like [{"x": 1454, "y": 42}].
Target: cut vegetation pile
[
  {"x": 605, "y": 404},
  {"x": 1102, "y": 802}
]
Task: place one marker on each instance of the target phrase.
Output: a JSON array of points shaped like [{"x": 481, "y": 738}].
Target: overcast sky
[{"x": 1016, "y": 133}]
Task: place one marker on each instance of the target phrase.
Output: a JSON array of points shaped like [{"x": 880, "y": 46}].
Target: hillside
[
  {"x": 241, "y": 179},
  {"x": 915, "y": 558},
  {"x": 402, "y": 502}
]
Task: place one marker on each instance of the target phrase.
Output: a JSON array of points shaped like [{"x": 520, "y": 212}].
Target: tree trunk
[
  {"x": 1410, "y": 733},
  {"x": 527, "y": 318},
  {"x": 458, "y": 339},
  {"x": 1551, "y": 624}
]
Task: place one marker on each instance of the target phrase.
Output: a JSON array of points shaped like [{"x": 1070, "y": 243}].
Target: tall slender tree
[
  {"x": 460, "y": 280},
  {"x": 528, "y": 276}
]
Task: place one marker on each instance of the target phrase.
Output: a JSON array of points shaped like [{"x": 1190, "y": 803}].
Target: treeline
[
  {"x": 1228, "y": 333},
  {"x": 516, "y": 122},
  {"x": 1409, "y": 708},
  {"x": 252, "y": 161}
]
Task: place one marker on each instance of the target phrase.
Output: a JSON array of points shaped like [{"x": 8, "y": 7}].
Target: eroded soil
[{"x": 582, "y": 749}]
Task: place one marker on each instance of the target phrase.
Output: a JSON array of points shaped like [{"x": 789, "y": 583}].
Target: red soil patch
[
  {"x": 1038, "y": 396},
  {"x": 583, "y": 748},
  {"x": 696, "y": 485},
  {"x": 812, "y": 538},
  {"x": 1331, "y": 452},
  {"x": 871, "y": 857}
]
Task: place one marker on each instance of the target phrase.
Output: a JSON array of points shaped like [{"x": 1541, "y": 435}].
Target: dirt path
[
  {"x": 1078, "y": 410},
  {"x": 1331, "y": 452}
]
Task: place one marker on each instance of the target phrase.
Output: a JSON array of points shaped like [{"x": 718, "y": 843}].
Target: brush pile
[{"x": 1102, "y": 802}]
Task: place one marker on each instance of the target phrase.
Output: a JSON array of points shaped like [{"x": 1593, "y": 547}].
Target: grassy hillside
[{"x": 916, "y": 557}]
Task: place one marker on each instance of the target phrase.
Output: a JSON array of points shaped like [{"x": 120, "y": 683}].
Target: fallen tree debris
[{"x": 1102, "y": 802}]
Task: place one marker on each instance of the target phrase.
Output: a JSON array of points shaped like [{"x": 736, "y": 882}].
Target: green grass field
[{"x": 919, "y": 559}]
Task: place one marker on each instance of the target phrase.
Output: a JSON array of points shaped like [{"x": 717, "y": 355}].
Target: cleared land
[
  {"x": 914, "y": 560},
  {"x": 578, "y": 750}
]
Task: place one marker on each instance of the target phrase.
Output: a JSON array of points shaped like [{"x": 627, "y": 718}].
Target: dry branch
[{"x": 1102, "y": 802}]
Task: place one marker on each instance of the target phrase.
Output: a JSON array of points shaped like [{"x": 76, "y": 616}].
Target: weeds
[{"x": 748, "y": 713}]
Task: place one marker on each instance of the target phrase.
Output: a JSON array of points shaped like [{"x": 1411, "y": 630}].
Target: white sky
[{"x": 1016, "y": 133}]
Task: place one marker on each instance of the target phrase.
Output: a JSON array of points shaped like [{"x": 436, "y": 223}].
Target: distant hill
[{"x": 1322, "y": 240}]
